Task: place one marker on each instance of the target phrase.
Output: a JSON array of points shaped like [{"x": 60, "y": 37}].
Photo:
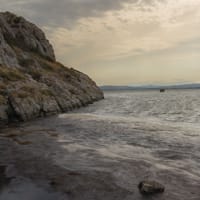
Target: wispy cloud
[{"x": 122, "y": 32}]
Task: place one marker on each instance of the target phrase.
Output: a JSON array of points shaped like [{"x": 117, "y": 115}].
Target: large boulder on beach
[
  {"x": 32, "y": 82},
  {"x": 150, "y": 187}
]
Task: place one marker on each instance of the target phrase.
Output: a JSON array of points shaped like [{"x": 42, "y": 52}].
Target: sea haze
[{"x": 151, "y": 87}]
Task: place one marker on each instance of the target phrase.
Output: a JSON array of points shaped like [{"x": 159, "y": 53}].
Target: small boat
[{"x": 162, "y": 90}]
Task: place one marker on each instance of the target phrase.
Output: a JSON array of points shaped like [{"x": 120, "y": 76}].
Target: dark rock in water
[
  {"x": 2, "y": 170},
  {"x": 150, "y": 187},
  {"x": 3, "y": 179},
  {"x": 32, "y": 83}
]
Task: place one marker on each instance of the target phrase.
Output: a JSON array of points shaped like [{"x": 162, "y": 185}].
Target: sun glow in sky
[{"x": 121, "y": 41}]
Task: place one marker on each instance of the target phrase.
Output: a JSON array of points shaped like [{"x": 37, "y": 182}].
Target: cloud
[
  {"x": 122, "y": 32},
  {"x": 65, "y": 13},
  {"x": 106, "y": 36},
  {"x": 62, "y": 12}
]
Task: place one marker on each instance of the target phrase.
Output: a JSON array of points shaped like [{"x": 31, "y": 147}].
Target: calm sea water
[{"x": 128, "y": 137}]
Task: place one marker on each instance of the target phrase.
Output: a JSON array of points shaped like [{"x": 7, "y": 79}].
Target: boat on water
[{"x": 162, "y": 90}]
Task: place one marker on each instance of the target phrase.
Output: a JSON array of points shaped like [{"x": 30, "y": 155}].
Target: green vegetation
[
  {"x": 28, "y": 89},
  {"x": 24, "y": 92},
  {"x": 48, "y": 65},
  {"x": 25, "y": 62},
  {"x": 10, "y": 74},
  {"x": 46, "y": 92},
  {"x": 2, "y": 88},
  {"x": 31, "y": 91},
  {"x": 2, "y": 100},
  {"x": 36, "y": 74},
  {"x": 45, "y": 67},
  {"x": 21, "y": 94}
]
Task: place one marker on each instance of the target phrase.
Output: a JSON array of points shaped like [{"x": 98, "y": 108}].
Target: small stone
[{"x": 150, "y": 187}]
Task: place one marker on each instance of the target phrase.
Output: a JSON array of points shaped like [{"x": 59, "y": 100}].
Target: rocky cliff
[{"x": 32, "y": 82}]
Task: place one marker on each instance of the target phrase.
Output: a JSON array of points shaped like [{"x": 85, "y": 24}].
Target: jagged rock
[
  {"x": 150, "y": 187},
  {"x": 7, "y": 54},
  {"x": 32, "y": 82},
  {"x": 3, "y": 114},
  {"x": 19, "y": 32}
]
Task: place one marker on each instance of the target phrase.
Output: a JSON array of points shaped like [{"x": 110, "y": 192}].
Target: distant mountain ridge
[{"x": 151, "y": 87}]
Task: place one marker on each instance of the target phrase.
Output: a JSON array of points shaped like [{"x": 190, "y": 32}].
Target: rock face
[
  {"x": 32, "y": 83},
  {"x": 16, "y": 31},
  {"x": 150, "y": 187}
]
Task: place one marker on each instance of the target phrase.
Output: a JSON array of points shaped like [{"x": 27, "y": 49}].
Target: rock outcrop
[{"x": 32, "y": 82}]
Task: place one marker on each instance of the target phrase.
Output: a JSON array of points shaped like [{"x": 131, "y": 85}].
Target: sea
[{"x": 128, "y": 137}]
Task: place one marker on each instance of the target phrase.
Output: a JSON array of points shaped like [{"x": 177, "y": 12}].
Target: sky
[{"x": 121, "y": 42}]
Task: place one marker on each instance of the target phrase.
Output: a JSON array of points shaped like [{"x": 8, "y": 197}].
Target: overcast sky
[{"x": 121, "y": 41}]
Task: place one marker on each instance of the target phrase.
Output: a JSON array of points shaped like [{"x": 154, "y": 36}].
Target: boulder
[{"x": 150, "y": 187}]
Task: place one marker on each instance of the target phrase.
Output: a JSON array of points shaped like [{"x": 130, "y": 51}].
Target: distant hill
[{"x": 151, "y": 87}]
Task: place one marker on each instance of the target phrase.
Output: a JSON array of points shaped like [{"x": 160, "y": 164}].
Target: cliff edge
[{"x": 32, "y": 83}]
